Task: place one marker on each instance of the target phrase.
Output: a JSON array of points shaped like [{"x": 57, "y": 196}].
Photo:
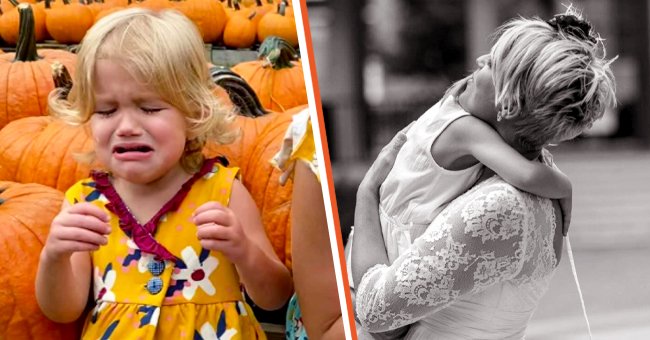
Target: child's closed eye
[
  {"x": 151, "y": 109},
  {"x": 106, "y": 113}
]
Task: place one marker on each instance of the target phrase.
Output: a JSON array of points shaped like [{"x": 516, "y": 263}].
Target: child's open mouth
[
  {"x": 138, "y": 148},
  {"x": 132, "y": 152}
]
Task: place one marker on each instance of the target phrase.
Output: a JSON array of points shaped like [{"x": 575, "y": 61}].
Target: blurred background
[{"x": 382, "y": 63}]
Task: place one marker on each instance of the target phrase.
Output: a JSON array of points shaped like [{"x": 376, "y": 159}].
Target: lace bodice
[{"x": 478, "y": 270}]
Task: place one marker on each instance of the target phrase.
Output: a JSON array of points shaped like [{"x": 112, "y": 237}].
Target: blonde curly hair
[{"x": 161, "y": 49}]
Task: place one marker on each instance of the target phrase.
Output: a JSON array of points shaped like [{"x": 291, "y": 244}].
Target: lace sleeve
[{"x": 477, "y": 241}]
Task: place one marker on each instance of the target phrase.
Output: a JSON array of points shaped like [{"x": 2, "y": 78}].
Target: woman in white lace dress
[{"x": 482, "y": 265}]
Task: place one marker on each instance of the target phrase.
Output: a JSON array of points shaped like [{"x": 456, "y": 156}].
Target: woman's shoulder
[
  {"x": 497, "y": 185},
  {"x": 499, "y": 195}
]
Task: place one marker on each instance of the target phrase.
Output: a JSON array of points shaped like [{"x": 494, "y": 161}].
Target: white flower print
[
  {"x": 196, "y": 274},
  {"x": 103, "y": 283},
  {"x": 144, "y": 259},
  {"x": 209, "y": 333},
  {"x": 241, "y": 308}
]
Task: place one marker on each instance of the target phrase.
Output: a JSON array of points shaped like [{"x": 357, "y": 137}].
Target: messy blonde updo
[{"x": 553, "y": 75}]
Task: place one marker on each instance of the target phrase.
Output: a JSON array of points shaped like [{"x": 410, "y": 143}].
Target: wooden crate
[
  {"x": 221, "y": 56},
  {"x": 218, "y": 55}
]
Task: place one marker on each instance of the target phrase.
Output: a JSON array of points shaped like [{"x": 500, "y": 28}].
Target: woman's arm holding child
[
  {"x": 237, "y": 231},
  {"x": 368, "y": 247},
  {"x": 488, "y": 147},
  {"x": 64, "y": 271}
]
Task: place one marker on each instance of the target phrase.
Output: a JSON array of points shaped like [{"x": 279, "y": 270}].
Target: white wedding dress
[{"x": 478, "y": 272}]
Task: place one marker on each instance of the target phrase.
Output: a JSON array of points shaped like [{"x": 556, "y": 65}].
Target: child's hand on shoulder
[
  {"x": 78, "y": 227},
  {"x": 219, "y": 229},
  {"x": 566, "y": 206}
]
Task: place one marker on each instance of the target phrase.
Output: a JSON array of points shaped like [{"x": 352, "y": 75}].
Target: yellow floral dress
[{"x": 155, "y": 281}]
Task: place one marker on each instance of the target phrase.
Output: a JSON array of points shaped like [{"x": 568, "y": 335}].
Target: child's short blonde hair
[
  {"x": 552, "y": 75},
  {"x": 163, "y": 50}
]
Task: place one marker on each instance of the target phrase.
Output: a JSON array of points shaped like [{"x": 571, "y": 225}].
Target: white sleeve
[{"x": 477, "y": 241}]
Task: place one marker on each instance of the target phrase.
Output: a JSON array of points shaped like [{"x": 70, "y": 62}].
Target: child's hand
[
  {"x": 80, "y": 227},
  {"x": 565, "y": 205},
  {"x": 219, "y": 229}
]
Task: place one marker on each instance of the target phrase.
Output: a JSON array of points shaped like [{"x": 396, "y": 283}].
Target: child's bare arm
[
  {"x": 64, "y": 271},
  {"x": 313, "y": 267},
  {"x": 482, "y": 142},
  {"x": 237, "y": 231},
  {"x": 472, "y": 136}
]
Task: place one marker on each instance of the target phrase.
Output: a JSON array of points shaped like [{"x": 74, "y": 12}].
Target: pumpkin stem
[
  {"x": 258, "y": 3},
  {"x": 62, "y": 79},
  {"x": 26, "y": 46},
  {"x": 240, "y": 93},
  {"x": 277, "y": 52},
  {"x": 14, "y": 2}
]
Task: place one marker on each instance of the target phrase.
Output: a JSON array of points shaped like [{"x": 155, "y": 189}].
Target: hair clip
[{"x": 572, "y": 25}]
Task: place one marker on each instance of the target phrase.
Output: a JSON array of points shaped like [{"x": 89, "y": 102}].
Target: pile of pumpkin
[
  {"x": 234, "y": 23},
  {"x": 36, "y": 159}
]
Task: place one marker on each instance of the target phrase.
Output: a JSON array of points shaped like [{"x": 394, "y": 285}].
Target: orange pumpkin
[
  {"x": 68, "y": 24},
  {"x": 106, "y": 11},
  {"x": 155, "y": 5},
  {"x": 278, "y": 24},
  {"x": 116, "y": 3},
  {"x": 208, "y": 16},
  {"x": 288, "y": 10},
  {"x": 41, "y": 150},
  {"x": 11, "y": 21},
  {"x": 240, "y": 31},
  {"x": 99, "y": 6},
  {"x": 25, "y": 76},
  {"x": 228, "y": 8},
  {"x": 276, "y": 76},
  {"x": 262, "y": 9},
  {"x": 26, "y": 211}
]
